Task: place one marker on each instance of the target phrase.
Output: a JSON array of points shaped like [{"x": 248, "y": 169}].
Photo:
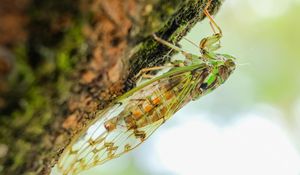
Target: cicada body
[{"x": 134, "y": 116}]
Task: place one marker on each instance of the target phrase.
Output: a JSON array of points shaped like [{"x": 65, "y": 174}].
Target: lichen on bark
[{"x": 76, "y": 57}]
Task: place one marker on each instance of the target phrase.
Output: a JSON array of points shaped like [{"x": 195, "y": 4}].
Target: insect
[{"x": 134, "y": 116}]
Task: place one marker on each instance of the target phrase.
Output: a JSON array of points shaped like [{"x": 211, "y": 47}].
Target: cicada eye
[
  {"x": 223, "y": 72},
  {"x": 230, "y": 64}
]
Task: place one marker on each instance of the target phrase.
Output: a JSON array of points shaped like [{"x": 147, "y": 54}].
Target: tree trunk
[{"x": 60, "y": 61}]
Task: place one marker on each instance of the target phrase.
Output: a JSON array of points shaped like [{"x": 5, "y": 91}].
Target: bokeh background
[{"x": 251, "y": 124}]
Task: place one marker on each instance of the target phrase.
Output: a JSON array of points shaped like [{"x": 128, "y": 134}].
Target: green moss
[
  {"x": 36, "y": 92},
  {"x": 73, "y": 41}
]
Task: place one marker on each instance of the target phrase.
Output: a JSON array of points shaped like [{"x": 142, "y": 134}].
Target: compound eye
[
  {"x": 223, "y": 71},
  {"x": 229, "y": 63}
]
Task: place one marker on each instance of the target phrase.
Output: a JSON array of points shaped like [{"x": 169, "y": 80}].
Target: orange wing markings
[
  {"x": 137, "y": 113},
  {"x": 156, "y": 101},
  {"x": 148, "y": 107}
]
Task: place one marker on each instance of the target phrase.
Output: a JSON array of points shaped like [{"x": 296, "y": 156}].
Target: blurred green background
[{"x": 251, "y": 124}]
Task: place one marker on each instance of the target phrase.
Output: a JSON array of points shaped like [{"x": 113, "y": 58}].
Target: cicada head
[
  {"x": 217, "y": 72},
  {"x": 226, "y": 65}
]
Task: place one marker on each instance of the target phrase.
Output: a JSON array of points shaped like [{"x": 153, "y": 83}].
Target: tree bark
[{"x": 66, "y": 59}]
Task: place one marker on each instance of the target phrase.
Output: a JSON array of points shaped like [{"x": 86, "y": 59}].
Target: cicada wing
[
  {"x": 81, "y": 148},
  {"x": 98, "y": 145},
  {"x": 181, "y": 98}
]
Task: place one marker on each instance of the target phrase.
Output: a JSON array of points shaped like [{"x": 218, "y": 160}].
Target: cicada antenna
[{"x": 188, "y": 40}]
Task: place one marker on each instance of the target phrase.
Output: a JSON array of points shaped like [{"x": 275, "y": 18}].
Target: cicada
[{"x": 134, "y": 116}]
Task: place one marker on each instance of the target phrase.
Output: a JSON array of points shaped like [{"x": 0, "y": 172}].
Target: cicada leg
[
  {"x": 211, "y": 43},
  {"x": 172, "y": 46},
  {"x": 143, "y": 72},
  {"x": 211, "y": 20}
]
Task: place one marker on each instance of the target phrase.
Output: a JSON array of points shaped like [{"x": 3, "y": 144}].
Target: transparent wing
[{"x": 112, "y": 134}]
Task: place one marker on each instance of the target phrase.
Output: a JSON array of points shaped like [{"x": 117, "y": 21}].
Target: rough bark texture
[{"x": 60, "y": 61}]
